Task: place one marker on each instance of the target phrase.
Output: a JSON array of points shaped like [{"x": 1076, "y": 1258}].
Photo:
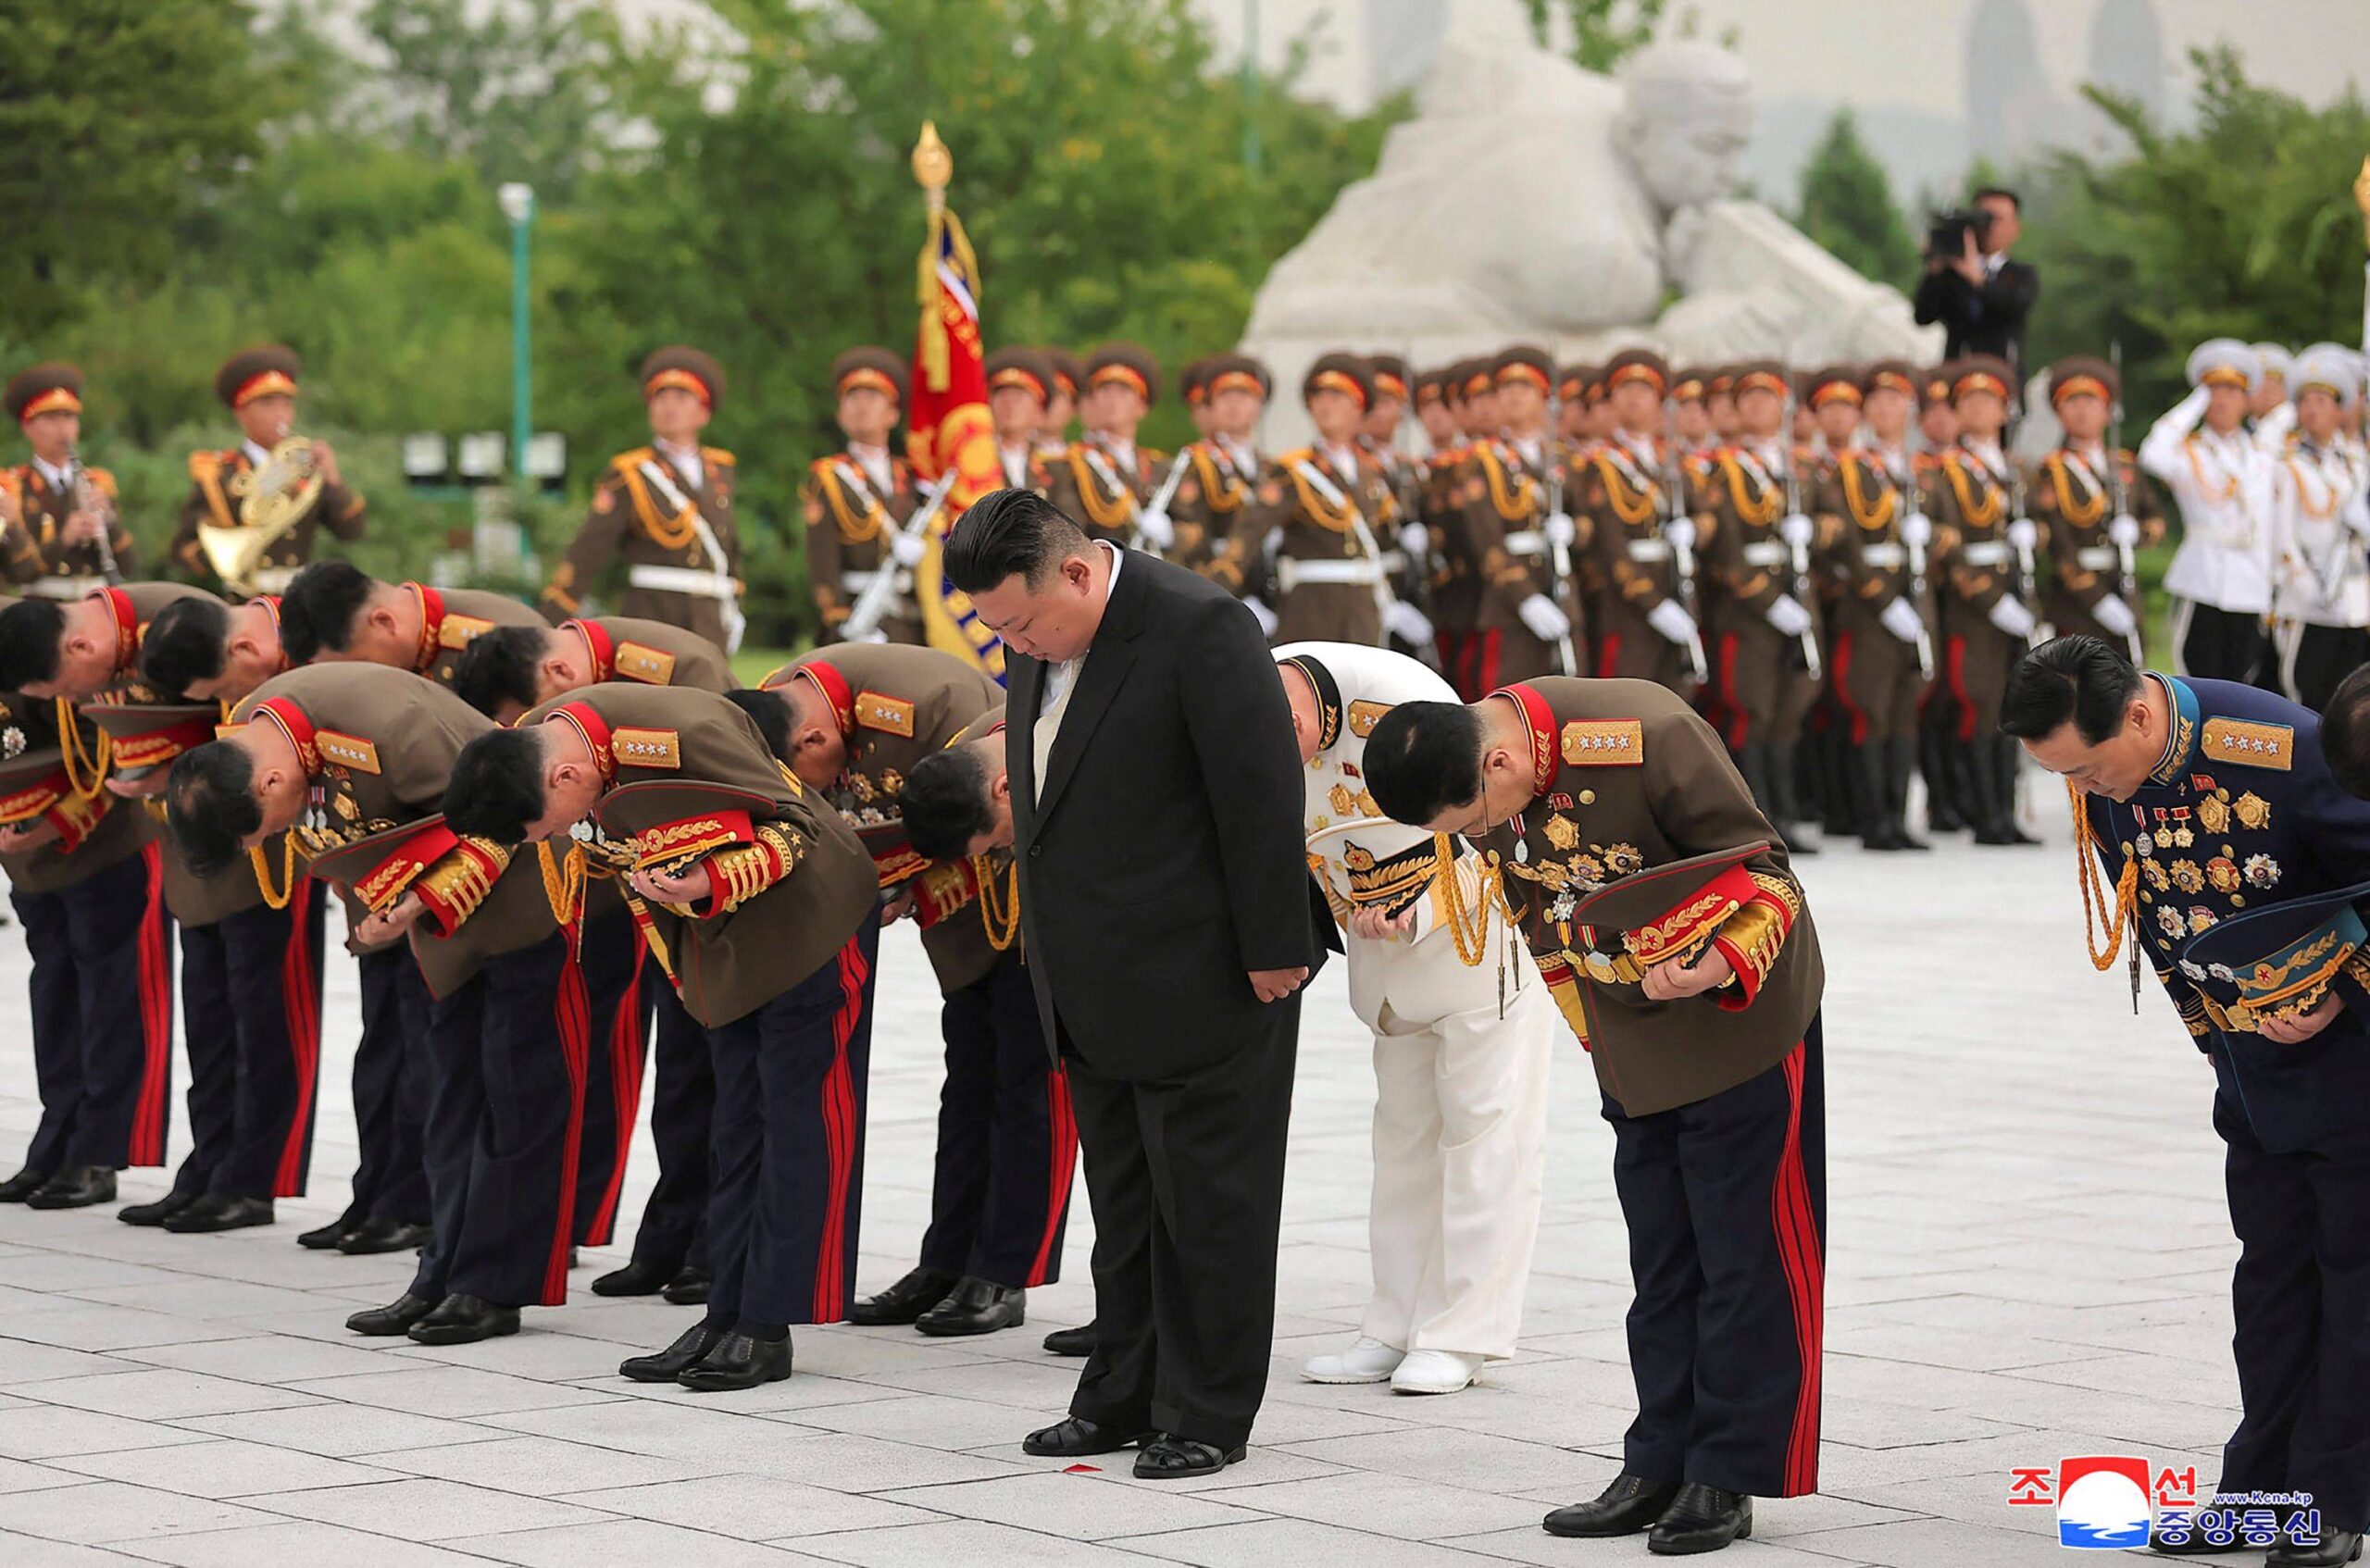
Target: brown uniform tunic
[
  {"x": 31, "y": 550},
  {"x": 631, "y": 519},
  {"x": 1626, "y": 497},
  {"x": 450, "y": 619},
  {"x": 652, "y": 653},
  {"x": 1970, "y": 507},
  {"x": 2071, "y": 496},
  {"x": 1763, "y": 687},
  {"x": 1102, "y": 491},
  {"x": 1311, "y": 502},
  {"x": 850, "y": 517},
  {"x": 1208, "y": 504},
  {"x": 219, "y": 481},
  {"x": 1501, "y": 497},
  {"x": 1860, "y": 503}
]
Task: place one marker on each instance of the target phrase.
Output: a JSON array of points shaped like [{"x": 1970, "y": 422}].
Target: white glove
[
  {"x": 2124, "y": 532},
  {"x": 2115, "y": 616},
  {"x": 1917, "y": 530},
  {"x": 1415, "y": 538},
  {"x": 1680, "y": 532},
  {"x": 1407, "y": 623},
  {"x": 2357, "y": 518},
  {"x": 1156, "y": 529},
  {"x": 1789, "y": 618},
  {"x": 1264, "y": 615},
  {"x": 2022, "y": 535},
  {"x": 2011, "y": 616},
  {"x": 1557, "y": 529},
  {"x": 908, "y": 548},
  {"x": 1546, "y": 620},
  {"x": 1901, "y": 618},
  {"x": 1796, "y": 530},
  {"x": 1670, "y": 618}
]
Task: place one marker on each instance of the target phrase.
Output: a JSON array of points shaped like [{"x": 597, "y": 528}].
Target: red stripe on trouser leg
[
  {"x": 1842, "y": 687},
  {"x": 1608, "y": 655},
  {"x": 625, "y": 1053},
  {"x": 1062, "y": 1122},
  {"x": 1800, "y": 1256},
  {"x": 572, "y": 1015},
  {"x": 300, "y": 1004},
  {"x": 839, "y": 1136},
  {"x": 1739, "y": 725},
  {"x": 1954, "y": 667},
  {"x": 155, "y": 983},
  {"x": 1487, "y": 647}
]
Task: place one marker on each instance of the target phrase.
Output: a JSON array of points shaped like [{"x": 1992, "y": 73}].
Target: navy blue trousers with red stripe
[
  {"x": 790, "y": 1092},
  {"x": 673, "y": 1233},
  {"x": 251, "y": 1011},
  {"x": 101, "y": 997},
  {"x": 1007, "y": 1143},
  {"x": 1726, "y": 1201},
  {"x": 613, "y": 982},
  {"x": 509, "y": 1052},
  {"x": 391, "y": 1090}
]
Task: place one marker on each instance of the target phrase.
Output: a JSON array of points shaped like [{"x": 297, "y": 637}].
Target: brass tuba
[{"x": 273, "y": 500}]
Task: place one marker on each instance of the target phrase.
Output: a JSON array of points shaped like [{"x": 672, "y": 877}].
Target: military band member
[
  {"x": 1105, "y": 478},
  {"x": 668, "y": 511},
  {"x": 859, "y": 499},
  {"x": 61, "y": 530},
  {"x": 231, "y": 489},
  {"x": 2322, "y": 518},
  {"x": 1514, "y": 536},
  {"x": 771, "y": 925},
  {"x": 1642, "y": 534},
  {"x": 1020, "y": 386},
  {"x": 335, "y": 613},
  {"x": 1698, "y": 996}
]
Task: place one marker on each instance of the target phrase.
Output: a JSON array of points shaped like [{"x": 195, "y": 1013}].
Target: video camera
[{"x": 1946, "y": 235}]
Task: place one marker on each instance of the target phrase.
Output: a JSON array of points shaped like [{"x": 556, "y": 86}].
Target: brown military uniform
[
  {"x": 451, "y": 618},
  {"x": 850, "y": 516},
  {"x": 652, "y": 653},
  {"x": 1312, "y": 502},
  {"x": 1763, "y": 689},
  {"x": 35, "y": 559},
  {"x": 219, "y": 480},
  {"x": 1860, "y": 503},
  {"x": 1972, "y": 507},
  {"x": 2071, "y": 496},
  {"x": 1208, "y": 507},
  {"x": 1501, "y": 497},
  {"x": 1102, "y": 491},
  {"x": 635, "y": 518},
  {"x": 1627, "y": 495}
]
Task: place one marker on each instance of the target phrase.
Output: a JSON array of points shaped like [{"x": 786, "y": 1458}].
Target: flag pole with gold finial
[{"x": 2362, "y": 200}]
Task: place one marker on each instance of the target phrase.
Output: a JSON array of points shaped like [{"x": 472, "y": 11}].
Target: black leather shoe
[
  {"x": 464, "y": 1320},
  {"x": 1174, "y": 1459},
  {"x": 75, "y": 1186},
  {"x": 1078, "y": 1341},
  {"x": 904, "y": 1301},
  {"x": 1700, "y": 1519},
  {"x": 637, "y": 1278},
  {"x": 219, "y": 1211},
  {"x": 736, "y": 1361},
  {"x": 23, "y": 1185},
  {"x": 395, "y": 1318},
  {"x": 688, "y": 1288},
  {"x": 1078, "y": 1437},
  {"x": 976, "y": 1306},
  {"x": 1632, "y": 1503},
  {"x": 667, "y": 1364},
  {"x": 2334, "y": 1548},
  {"x": 383, "y": 1236},
  {"x": 323, "y": 1238},
  {"x": 157, "y": 1213}
]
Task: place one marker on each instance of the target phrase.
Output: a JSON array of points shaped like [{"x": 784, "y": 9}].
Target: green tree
[
  {"x": 1604, "y": 32},
  {"x": 1847, "y": 206}
]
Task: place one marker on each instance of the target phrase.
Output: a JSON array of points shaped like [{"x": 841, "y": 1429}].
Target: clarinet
[{"x": 88, "y": 498}]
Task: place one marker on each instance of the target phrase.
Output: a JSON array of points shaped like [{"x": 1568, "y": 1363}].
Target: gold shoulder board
[
  {"x": 459, "y": 631},
  {"x": 639, "y": 661},
  {"x": 1364, "y": 715},
  {"x": 1605, "y": 742},
  {"x": 647, "y": 748},
  {"x": 347, "y": 751},
  {"x": 2257, "y": 745},
  {"x": 890, "y": 715}
]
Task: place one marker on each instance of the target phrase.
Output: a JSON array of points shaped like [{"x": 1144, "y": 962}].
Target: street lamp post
[{"x": 518, "y": 206}]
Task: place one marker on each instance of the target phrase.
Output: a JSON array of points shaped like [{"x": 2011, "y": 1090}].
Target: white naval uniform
[
  {"x": 2223, "y": 485},
  {"x": 1460, "y": 1117},
  {"x": 2321, "y": 521}
]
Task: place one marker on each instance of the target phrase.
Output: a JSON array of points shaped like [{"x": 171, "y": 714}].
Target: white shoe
[
  {"x": 1434, "y": 1372},
  {"x": 1368, "y": 1361}
]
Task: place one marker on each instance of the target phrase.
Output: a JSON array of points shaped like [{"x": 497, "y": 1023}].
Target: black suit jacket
[
  {"x": 1165, "y": 861},
  {"x": 1986, "y": 320}
]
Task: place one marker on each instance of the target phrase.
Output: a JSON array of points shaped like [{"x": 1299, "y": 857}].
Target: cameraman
[{"x": 1980, "y": 297}]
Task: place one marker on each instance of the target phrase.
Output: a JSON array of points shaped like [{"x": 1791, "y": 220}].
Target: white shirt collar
[
  {"x": 256, "y": 455},
  {"x": 685, "y": 458},
  {"x": 58, "y": 477},
  {"x": 1059, "y": 676}
]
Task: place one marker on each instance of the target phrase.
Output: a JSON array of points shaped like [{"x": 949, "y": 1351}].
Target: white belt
[
  {"x": 2098, "y": 559},
  {"x": 1884, "y": 557},
  {"x": 1650, "y": 548},
  {"x": 861, "y": 582},
  {"x": 1992, "y": 553},
  {"x": 1527, "y": 544},
  {"x": 1768, "y": 553},
  {"x": 1291, "y": 573},
  {"x": 61, "y": 587},
  {"x": 683, "y": 580},
  {"x": 275, "y": 580}
]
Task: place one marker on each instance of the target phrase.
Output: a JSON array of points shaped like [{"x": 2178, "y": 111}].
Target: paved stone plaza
[{"x": 2027, "y": 1259}]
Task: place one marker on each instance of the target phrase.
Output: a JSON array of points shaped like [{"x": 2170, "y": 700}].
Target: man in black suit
[
  {"x": 1980, "y": 297},
  {"x": 1164, "y": 906}
]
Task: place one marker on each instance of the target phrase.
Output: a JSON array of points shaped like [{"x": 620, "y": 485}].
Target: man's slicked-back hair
[
  {"x": 30, "y": 631},
  {"x": 498, "y": 666},
  {"x": 210, "y": 808},
  {"x": 1423, "y": 758},
  {"x": 2345, "y": 733},
  {"x": 186, "y": 643},
  {"x": 318, "y": 610},
  {"x": 945, "y": 804},
  {"x": 770, "y": 711},
  {"x": 1010, "y": 532},
  {"x": 2081, "y": 678},
  {"x": 497, "y": 786}
]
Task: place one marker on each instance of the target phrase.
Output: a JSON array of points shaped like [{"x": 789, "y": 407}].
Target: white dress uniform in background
[
  {"x": 1460, "y": 1116},
  {"x": 2321, "y": 521},
  {"x": 2221, "y": 576}
]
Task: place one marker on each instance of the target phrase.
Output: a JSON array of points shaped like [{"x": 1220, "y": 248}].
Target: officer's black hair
[
  {"x": 1010, "y": 532},
  {"x": 498, "y": 666},
  {"x": 2004, "y": 194},
  {"x": 30, "y": 631},
  {"x": 945, "y": 804},
  {"x": 187, "y": 642},
  {"x": 320, "y": 608},
  {"x": 210, "y": 808},
  {"x": 496, "y": 787},
  {"x": 1424, "y": 758},
  {"x": 2083, "y": 679},
  {"x": 770, "y": 711},
  {"x": 2345, "y": 733}
]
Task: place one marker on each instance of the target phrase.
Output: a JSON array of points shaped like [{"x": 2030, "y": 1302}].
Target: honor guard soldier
[
  {"x": 667, "y": 510},
  {"x": 1514, "y": 529},
  {"x": 1677, "y": 943},
  {"x": 2270, "y": 396},
  {"x": 1412, "y": 580},
  {"x": 1572, "y": 406},
  {"x": 1456, "y": 589},
  {"x": 1981, "y": 548},
  {"x": 2216, "y": 812},
  {"x": 854, "y": 725},
  {"x": 1021, "y": 385},
  {"x": 61, "y": 531},
  {"x": 2221, "y": 576},
  {"x": 252, "y": 509},
  {"x": 1691, "y": 420},
  {"x": 1105, "y": 478},
  {"x": 1720, "y": 403},
  {"x": 1221, "y": 473},
  {"x": 764, "y": 903},
  {"x": 2322, "y": 517},
  {"x": 1325, "y": 509},
  {"x": 857, "y": 503},
  {"x": 2096, "y": 509},
  {"x": 1642, "y": 533},
  {"x": 335, "y": 613}
]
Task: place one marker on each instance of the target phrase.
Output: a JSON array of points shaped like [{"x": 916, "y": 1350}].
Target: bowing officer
[
  {"x": 507, "y": 669},
  {"x": 335, "y": 613},
  {"x": 264, "y": 498},
  {"x": 61, "y": 531},
  {"x": 857, "y": 501}
]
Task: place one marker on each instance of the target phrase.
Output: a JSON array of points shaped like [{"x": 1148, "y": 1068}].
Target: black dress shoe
[
  {"x": 688, "y": 1288},
  {"x": 76, "y": 1187},
  {"x": 736, "y": 1361},
  {"x": 218, "y": 1211},
  {"x": 23, "y": 1185},
  {"x": 157, "y": 1213},
  {"x": 904, "y": 1301},
  {"x": 637, "y": 1278},
  {"x": 383, "y": 1236},
  {"x": 1174, "y": 1459},
  {"x": 323, "y": 1238},
  {"x": 1632, "y": 1503},
  {"x": 667, "y": 1364},
  {"x": 1700, "y": 1519},
  {"x": 1078, "y": 1437},
  {"x": 2334, "y": 1548},
  {"x": 1078, "y": 1341},
  {"x": 395, "y": 1318},
  {"x": 464, "y": 1320},
  {"x": 976, "y": 1306}
]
